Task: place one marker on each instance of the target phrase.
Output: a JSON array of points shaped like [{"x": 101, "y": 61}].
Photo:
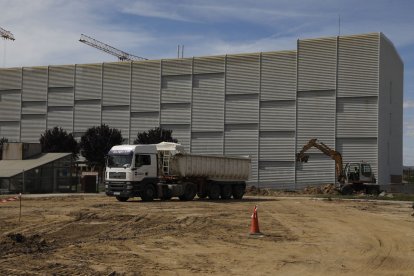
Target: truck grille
[
  {"x": 117, "y": 175},
  {"x": 116, "y": 187}
]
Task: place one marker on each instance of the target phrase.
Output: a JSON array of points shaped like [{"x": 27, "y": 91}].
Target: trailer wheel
[
  {"x": 238, "y": 191},
  {"x": 189, "y": 192},
  {"x": 226, "y": 191},
  {"x": 148, "y": 194},
  {"x": 214, "y": 192},
  {"x": 122, "y": 198}
]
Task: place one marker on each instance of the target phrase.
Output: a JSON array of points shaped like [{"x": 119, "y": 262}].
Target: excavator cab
[{"x": 359, "y": 172}]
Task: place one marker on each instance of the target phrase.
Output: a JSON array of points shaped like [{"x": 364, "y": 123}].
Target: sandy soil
[{"x": 96, "y": 235}]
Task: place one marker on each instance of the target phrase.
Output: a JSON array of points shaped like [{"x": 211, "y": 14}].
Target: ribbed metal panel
[
  {"x": 60, "y": 96},
  {"x": 116, "y": 83},
  {"x": 88, "y": 81},
  {"x": 10, "y": 130},
  {"x": 10, "y": 106},
  {"x": 87, "y": 114},
  {"x": 182, "y": 133},
  {"x": 35, "y": 84},
  {"x": 358, "y": 65},
  {"x": 34, "y": 108},
  {"x": 278, "y": 115},
  {"x": 205, "y": 65},
  {"x": 277, "y": 175},
  {"x": 176, "y": 113},
  {"x": 277, "y": 145},
  {"x": 146, "y": 85},
  {"x": 242, "y": 140},
  {"x": 359, "y": 149},
  {"x": 117, "y": 117},
  {"x": 143, "y": 121},
  {"x": 316, "y": 119},
  {"x": 61, "y": 76},
  {"x": 177, "y": 66},
  {"x": 278, "y": 79},
  {"x": 208, "y": 102},
  {"x": 357, "y": 117},
  {"x": 243, "y": 74},
  {"x": 241, "y": 109},
  {"x": 176, "y": 89},
  {"x": 320, "y": 169},
  {"x": 207, "y": 143},
  {"x": 60, "y": 117},
  {"x": 10, "y": 79},
  {"x": 317, "y": 64},
  {"x": 32, "y": 127}
]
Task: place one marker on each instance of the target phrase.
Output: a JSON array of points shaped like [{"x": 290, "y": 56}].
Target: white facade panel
[
  {"x": 243, "y": 74},
  {"x": 60, "y": 96},
  {"x": 60, "y": 117},
  {"x": 176, "y": 89},
  {"x": 278, "y": 76},
  {"x": 208, "y": 65},
  {"x": 242, "y": 109},
  {"x": 10, "y": 106},
  {"x": 146, "y": 86},
  {"x": 87, "y": 114},
  {"x": 35, "y": 83},
  {"x": 357, "y": 117},
  {"x": 177, "y": 114},
  {"x": 88, "y": 81},
  {"x": 10, "y": 130},
  {"x": 277, "y": 175},
  {"x": 61, "y": 76},
  {"x": 358, "y": 66},
  {"x": 277, "y": 146},
  {"x": 10, "y": 79},
  {"x": 208, "y": 102},
  {"x": 34, "y": 108},
  {"x": 117, "y": 117},
  {"x": 180, "y": 132},
  {"x": 207, "y": 143},
  {"x": 33, "y": 126},
  {"x": 317, "y": 64},
  {"x": 319, "y": 169},
  {"x": 177, "y": 66},
  {"x": 143, "y": 121},
  {"x": 116, "y": 83},
  {"x": 278, "y": 115}
]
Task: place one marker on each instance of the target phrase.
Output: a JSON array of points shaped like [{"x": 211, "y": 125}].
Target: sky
[{"x": 47, "y": 32}]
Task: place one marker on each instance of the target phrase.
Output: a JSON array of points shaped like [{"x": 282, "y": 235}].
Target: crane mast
[{"x": 122, "y": 56}]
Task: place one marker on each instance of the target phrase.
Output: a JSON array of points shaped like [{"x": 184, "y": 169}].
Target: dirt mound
[
  {"x": 328, "y": 189},
  {"x": 19, "y": 243}
]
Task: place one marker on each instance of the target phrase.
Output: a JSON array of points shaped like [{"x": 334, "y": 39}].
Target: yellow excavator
[{"x": 354, "y": 177}]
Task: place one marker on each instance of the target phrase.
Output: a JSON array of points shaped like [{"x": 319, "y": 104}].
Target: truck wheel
[
  {"x": 238, "y": 191},
  {"x": 347, "y": 189},
  {"x": 214, "y": 192},
  {"x": 189, "y": 192},
  {"x": 202, "y": 195},
  {"x": 122, "y": 198},
  {"x": 148, "y": 194},
  {"x": 226, "y": 191}
]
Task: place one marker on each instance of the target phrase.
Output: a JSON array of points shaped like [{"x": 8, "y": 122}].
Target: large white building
[{"x": 347, "y": 91}]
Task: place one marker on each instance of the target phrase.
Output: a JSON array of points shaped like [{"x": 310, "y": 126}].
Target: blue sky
[{"x": 47, "y": 32}]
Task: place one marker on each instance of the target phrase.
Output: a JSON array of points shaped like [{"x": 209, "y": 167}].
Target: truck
[
  {"x": 165, "y": 170},
  {"x": 354, "y": 177}
]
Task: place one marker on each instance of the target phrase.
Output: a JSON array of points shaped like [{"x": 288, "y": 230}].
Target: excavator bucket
[{"x": 302, "y": 158}]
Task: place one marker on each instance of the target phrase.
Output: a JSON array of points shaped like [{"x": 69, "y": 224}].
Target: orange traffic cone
[{"x": 254, "y": 227}]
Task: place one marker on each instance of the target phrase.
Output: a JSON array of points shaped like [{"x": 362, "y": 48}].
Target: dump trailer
[{"x": 165, "y": 170}]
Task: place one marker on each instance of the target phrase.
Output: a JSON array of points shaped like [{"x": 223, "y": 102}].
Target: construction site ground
[{"x": 96, "y": 235}]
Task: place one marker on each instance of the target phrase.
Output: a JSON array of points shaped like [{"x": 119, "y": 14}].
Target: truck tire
[
  {"x": 214, "y": 191},
  {"x": 148, "y": 193},
  {"x": 348, "y": 189},
  {"x": 238, "y": 191},
  {"x": 189, "y": 192},
  {"x": 122, "y": 198},
  {"x": 202, "y": 195},
  {"x": 226, "y": 191}
]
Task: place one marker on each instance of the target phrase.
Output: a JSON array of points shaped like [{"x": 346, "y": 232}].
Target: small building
[{"x": 25, "y": 169}]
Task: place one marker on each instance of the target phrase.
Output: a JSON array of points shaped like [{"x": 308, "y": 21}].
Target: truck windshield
[{"x": 119, "y": 161}]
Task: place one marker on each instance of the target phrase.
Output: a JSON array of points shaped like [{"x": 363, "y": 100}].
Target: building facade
[{"x": 347, "y": 91}]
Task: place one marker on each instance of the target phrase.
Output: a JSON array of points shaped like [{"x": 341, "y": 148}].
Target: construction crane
[
  {"x": 6, "y": 34},
  {"x": 122, "y": 56}
]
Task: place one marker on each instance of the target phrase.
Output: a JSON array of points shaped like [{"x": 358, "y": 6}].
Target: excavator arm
[{"x": 333, "y": 154}]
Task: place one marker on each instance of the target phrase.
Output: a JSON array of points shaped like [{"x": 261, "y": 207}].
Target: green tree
[
  {"x": 96, "y": 143},
  {"x": 2, "y": 141},
  {"x": 58, "y": 140},
  {"x": 155, "y": 136}
]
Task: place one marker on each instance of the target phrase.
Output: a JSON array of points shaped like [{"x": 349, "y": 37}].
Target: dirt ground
[{"x": 96, "y": 235}]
